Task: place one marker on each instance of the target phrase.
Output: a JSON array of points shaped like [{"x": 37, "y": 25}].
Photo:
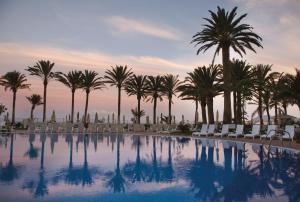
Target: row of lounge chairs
[{"x": 271, "y": 133}]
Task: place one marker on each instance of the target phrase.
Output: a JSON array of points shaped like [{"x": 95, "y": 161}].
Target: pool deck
[{"x": 274, "y": 142}]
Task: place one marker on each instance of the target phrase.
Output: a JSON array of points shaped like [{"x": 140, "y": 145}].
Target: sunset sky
[{"x": 151, "y": 37}]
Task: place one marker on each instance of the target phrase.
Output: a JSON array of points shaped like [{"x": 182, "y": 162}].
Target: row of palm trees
[
  {"x": 150, "y": 88},
  {"x": 257, "y": 84}
]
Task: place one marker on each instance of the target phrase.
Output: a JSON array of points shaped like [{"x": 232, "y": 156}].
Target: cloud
[
  {"x": 88, "y": 59},
  {"x": 127, "y": 25}
]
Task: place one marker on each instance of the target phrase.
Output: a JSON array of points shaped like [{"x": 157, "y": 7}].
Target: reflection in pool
[{"x": 40, "y": 167}]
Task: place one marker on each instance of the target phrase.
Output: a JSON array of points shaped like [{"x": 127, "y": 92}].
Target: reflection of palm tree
[
  {"x": 10, "y": 171},
  {"x": 136, "y": 171},
  {"x": 168, "y": 171},
  {"x": 202, "y": 174},
  {"x": 155, "y": 169},
  {"x": 117, "y": 182},
  {"x": 32, "y": 152},
  {"x": 75, "y": 175}
]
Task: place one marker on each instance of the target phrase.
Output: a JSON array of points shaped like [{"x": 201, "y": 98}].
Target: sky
[{"x": 151, "y": 37}]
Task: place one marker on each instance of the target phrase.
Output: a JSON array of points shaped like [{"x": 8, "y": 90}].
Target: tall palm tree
[
  {"x": 154, "y": 92},
  {"x": 209, "y": 78},
  {"x": 117, "y": 76},
  {"x": 261, "y": 80},
  {"x": 14, "y": 81},
  {"x": 35, "y": 100},
  {"x": 225, "y": 30},
  {"x": 241, "y": 85},
  {"x": 171, "y": 85},
  {"x": 73, "y": 81},
  {"x": 90, "y": 81},
  {"x": 136, "y": 85},
  {"x": 43, "y": 69}
]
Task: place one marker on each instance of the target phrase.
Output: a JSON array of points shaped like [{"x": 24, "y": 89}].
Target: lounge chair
[
  {"x": 225, "y": 131},
  {"x": 289, "y": 132},
  {"x": 238, "y": 131},
  {"x": 254, "y": 132},
  {"x": 202, "y": 131},
  {"x": 210, "y": 131},
  {"x": 271, "y": 131}
]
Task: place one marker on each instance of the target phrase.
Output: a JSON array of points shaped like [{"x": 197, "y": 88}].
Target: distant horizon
[{"x": 149, "y": 37}]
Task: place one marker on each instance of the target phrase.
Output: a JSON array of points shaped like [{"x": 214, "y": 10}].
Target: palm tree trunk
[
  {"x": 203, "y": 110},
  {"x": 45, "y": 102},
  {"x": 72, "y": 107},
  {"x": 154, "y": 110},
  {"x": 119, "y": 104},
  {"x": 13, "y": 108},
  {"x": 284, "y": 105},
  {"x": 268, "y": 114},
  {"x": 139, "y": 111},
  {"x": 170, "y": 108},
  {"x": 235, "y": 106},
  {"x": 196, "y": 112},
  {"x": 276, "y": 113},
  {"x": 31, "y": 112},
  {"x": 86, "y": 109},
  {"x": 260, "y": 112},
  {"x": 227, "y": 80},
  {"x": 239, "y": 108},
  {"x": 210, "y": 109}
]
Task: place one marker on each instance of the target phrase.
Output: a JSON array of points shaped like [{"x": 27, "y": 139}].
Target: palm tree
[
  {"x": 225, "y": 30},
  {"x": 137, "y": 114},
  {"x": 209, "y": 78},
  {"x": 136, "y": 85},
  {"x": 194, "y": 87},
  {"x": 73, "y": 81},
  {"x": 43, "y": 69},
  {"x": 35, "y": 100},
  {"x": 154, "y": 92},
  {"x": 171, "y": 85},
  {"x": 261, "y": 79},
  {"x": 242, "y": 83},
  {"x": 117, "y": 76},
  {"x": 14, "y": 81},
  {"x": 295, "y": 88},
  {"x": 90, "y": 81},
  {"x": 190, "y": 92}
]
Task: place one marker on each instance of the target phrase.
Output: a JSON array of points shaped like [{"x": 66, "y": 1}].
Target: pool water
[{"x": 111, "y": 167}]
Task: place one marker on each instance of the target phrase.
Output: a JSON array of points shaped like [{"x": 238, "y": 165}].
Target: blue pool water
[{"x": 143, "y": 168}]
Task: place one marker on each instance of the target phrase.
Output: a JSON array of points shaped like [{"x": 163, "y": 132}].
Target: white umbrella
[
  {"x": 174, "y": 120},
  {"x": 77, "y": 117},
  {"x": 123, "y": 119},
  {"x": 157, "y": 120},
  {"x": 147, "y": 119},
  {"x": 96, "y": 118},
  {"x": 88, "y": 118},
  {"x": 108, "y": 119},
  {"x": 113, "y": 118},
  {"x": 182, "y": 119},
  {"x": 53, "y": 117},
  {"x": 217, "y": 116}
]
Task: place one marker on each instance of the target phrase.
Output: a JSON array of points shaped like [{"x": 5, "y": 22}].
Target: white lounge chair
[
  {"x": 202, "y": 131},
  {"x": 239, "y": 131},
  {"x": 289, "y": 132},
  {"x": 254, "y": 132},
  {"x": 271, "y": 131},
  {"x": 225, "y": 131},
  {"x": 210, "y": 131}
]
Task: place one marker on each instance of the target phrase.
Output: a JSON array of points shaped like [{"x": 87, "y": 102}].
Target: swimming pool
[{"x": 110, "y": 167}]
